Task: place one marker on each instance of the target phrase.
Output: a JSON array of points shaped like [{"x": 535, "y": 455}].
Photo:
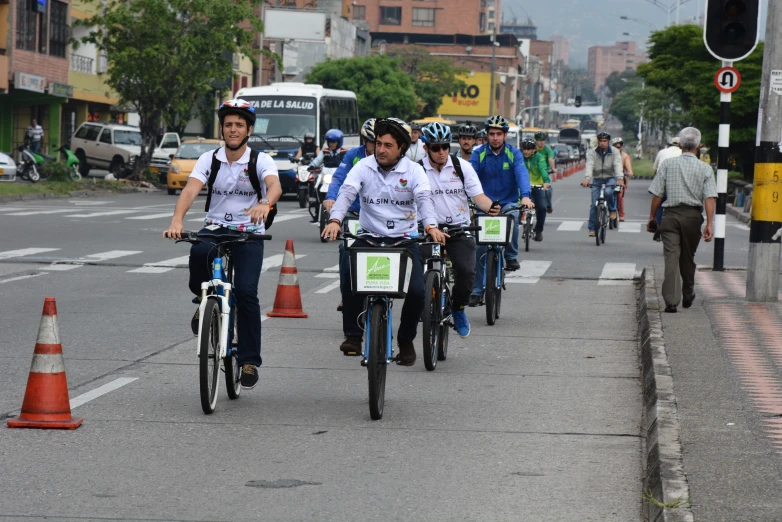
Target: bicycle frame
[
  {"x": 500, "y": 264},
  {"x": 224, "y": 295},
  {"x": 387, "y": 303}
]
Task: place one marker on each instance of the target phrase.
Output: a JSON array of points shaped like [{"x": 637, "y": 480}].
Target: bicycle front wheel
[
  {"x": 599, "y": 216},
  {"x": 442, "y": 349},
  {"x": 527, "y": 232},
  {"x": 377, "y": 361},
  {"x": 605, "y": 225},
  {"x": 233, "y": 373},
  {"x": 208, "y": 353},
  {"x": 431, "y": 319},
  {"x": 491, "y": 286}
]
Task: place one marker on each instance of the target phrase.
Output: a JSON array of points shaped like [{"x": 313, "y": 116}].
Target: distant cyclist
[
  {"x": 309, "y": 146},
  {"x": 234, "y": 205},
  {"x": 453, "y": 180},
  {"x": 627, "y": 169},
  {"x": 603, "y": 167},
  {"x": 538, "y": 175},
  {"x": 332, "y": 153},
  {"x": 416, "y": 151},
  {"x": 466, "y": 136},
  {"x": 480, "y": 139},
  {"x": 550, "y": 157},
  {"x": 504, "y": 178}
]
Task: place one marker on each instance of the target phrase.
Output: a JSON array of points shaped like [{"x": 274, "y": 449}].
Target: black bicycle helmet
[
  {"x": 415, "y": 126},
  {"x": 603, "y": 136},
  {"x": 466, "y": 129},
  {"x": 395, "y": 127},
  {"x": 481, "y": 134},
  {"x": 528, "y": 143},
  {"x": 541, "y": 136}
]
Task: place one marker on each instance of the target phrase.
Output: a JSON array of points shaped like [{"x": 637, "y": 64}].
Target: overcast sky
[{"x": 596, "y": 22}]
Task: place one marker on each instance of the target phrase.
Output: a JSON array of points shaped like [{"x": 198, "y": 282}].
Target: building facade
[
  {"x": 561, "y": 50},
  {"x": 604, "y": 60},
  {"x": 424, "y": 16}
]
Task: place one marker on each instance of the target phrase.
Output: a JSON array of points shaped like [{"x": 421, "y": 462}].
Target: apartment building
[
  {"x": 425, "y": 16},
  {"x": 603, "y": 60}
]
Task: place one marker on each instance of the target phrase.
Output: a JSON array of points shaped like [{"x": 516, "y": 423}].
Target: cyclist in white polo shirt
[
  {"x": 393, "y": 190},
  {"x": 450, "y": 190}
]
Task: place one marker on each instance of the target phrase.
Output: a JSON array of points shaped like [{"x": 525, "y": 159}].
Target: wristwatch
[{"x": 264, "y": 201}]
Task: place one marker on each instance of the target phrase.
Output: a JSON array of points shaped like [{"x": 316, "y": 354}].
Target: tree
[
  {"x": 433, "y": 78},
  {"x": 382, "y": 88},
  {"x": 683, "y": 69},
  {"x": 618, "y": 82},
  {"x": 163, "y": 55}
]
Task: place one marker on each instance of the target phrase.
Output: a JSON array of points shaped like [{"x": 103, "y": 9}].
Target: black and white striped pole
[{"x": 725, "y": 80}]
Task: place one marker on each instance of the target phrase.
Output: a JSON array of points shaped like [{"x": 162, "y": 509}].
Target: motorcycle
[
  {"x": 304, "y": 178},
  {"x": 72, "y": 162},
  {"x": 30, "y": 162},
  {"x": 321, "y": 188}
]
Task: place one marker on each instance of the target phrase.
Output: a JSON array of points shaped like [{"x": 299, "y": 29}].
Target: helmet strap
[
  {"x": 436, "y": 165},
  {"x": 242, "y": 144}
]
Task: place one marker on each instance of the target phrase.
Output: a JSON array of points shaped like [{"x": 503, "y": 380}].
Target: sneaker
[
  {"x": 549, "y": 210},
  {"x": 622, "y": 219},
  {"x": 592, "y": 233},
  {"x": 688, "y": 302},
  {"x": 195, "y": 320},
  {"x": 475, "y": 300},
  {"x": 670, "y": 309},
  {"x": 612, "y": 215},
  {"x": 539, "y": 236},
  {"x": 249, "y": 376},
  {"x": 406, "y": 355},
  {"x": 351, "y": 346},
  {"x": 461, "y": 323},
  {"x": 339, "y": 307},
  {"x": 512, "y": 264}
]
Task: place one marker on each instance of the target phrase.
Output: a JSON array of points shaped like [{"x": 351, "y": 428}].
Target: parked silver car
[{"x": 7, "y": 168}]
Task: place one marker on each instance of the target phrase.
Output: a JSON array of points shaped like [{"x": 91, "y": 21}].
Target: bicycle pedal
[{"x": 363, "y": 362}]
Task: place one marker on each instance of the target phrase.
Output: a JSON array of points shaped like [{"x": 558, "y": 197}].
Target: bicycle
[
  {"x": 380, "y": 273},
  {"x": 217, "y": 331},
  {"x": 529, "y": 216},
  {"x": 602, "y": 219},
  {"x": 436, "y": 317},
  {"x": 495, "y": 233}
]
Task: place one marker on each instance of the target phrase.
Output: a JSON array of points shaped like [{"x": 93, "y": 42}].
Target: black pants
[
  {"x": 461, "y": 251},
  {"x": 352, "y": 305},
  {"x": 681, "y": 234}
]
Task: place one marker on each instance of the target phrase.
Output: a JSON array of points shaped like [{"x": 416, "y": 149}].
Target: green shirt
[
  {"x": 538, "y": 169},
  {"x": 547, "y": 152}
]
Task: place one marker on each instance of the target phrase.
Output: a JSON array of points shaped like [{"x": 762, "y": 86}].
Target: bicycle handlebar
[
  {"x": 233, "y": 236},
  {"x": 402, "y": 240}
]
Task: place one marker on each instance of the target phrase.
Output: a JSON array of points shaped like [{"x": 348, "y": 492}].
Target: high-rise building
[
  {"x": 605, "y": 59},
  {"x": 561, "y": 49}
]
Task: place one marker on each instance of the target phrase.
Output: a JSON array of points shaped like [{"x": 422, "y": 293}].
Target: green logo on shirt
[{"x": 378, "y": 268}]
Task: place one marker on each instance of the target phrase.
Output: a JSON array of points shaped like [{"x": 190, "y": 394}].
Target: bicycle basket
[
  {"x": 380, "y": 271},
  {"x": 495, "y": 230},
  {"x": 350, "y": 225}
]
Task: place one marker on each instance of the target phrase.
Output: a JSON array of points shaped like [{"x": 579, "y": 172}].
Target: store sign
[
  {"x": 471, "y": 100},
  {"x": 61, "y": 90},
  {"x": 28, "y": 82}
]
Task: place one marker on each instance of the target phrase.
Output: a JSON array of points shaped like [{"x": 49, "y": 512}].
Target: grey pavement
[{"x": 535, "y": 418}]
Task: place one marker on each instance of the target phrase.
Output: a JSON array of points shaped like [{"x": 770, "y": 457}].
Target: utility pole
[
  {"x": 723, "y": 153},
  {"x": 764, "y": 243}
]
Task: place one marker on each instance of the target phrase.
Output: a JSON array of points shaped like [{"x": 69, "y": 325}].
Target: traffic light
[
  {"x": 731, "y": 28},
  {"x": 578, "y": 101}
]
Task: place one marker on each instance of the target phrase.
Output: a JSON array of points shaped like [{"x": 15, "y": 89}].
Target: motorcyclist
[
  {"x": 309, "y": 146},
  {"x": 332, "y": 154}
]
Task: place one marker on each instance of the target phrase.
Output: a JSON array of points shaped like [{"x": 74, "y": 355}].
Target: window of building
[
  {"x": 43, "y": 26},
  {"x": 390, "y": 15},
  {"x": 58, "y": 23},
  {"x": 423, "y": 17},
  {"x": 359, "y": 12},
  {"x": 491, "y": 14},
  {"x": 25, "y": 25},
  {"x": 482, "y": 21},
  {"x": 491, "y": 26}
]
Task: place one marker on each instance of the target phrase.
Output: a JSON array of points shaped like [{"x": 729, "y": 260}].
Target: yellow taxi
[{"x": 185, "y": 159}]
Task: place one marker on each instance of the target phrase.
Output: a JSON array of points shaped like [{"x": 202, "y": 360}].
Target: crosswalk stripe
[
  {"x": 288, "y": 217},
  {"x": 529, "y": 272},
  {"x": 632, "y": 228},
  {"x": 70, "y": 264},
  {"x": 8, "y": 254},
  {"x": 328, "y": 288},
  {"x": 570, "y": 226},
  {"x": 152, "y": 216},
  {"x": 10, "y": 209},
  {"x": 40, "y": 212},
  {"x": 740, "y": 226},
  {"x": 615, "y": 274},
  {"x": 90, "y": 203},
  {"x": 276, "y": 260},
  {"x": 161, "y": 266},
  {"x": 19, "y": 278},
  {"x": 100, "y": 214}
]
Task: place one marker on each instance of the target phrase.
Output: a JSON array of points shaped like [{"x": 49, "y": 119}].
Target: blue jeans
[
  {"x": 539, "y": 197},
  {"x": 248, "y": 261},
  {"x": 549, "y": 194},
  {"x": 35, "y": 146},
  {"x": 610, "y": 198},
  {"x": 511, "y": 251}
]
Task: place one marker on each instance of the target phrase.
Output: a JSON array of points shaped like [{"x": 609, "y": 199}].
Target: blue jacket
[
  {"x": 504, "y": 176},
  {"x": 351, "y": 157}
]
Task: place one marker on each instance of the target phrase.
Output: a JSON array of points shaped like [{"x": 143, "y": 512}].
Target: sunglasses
[
  {"x": 618, "y": 145},
  {"x": 438, "y": 148}
]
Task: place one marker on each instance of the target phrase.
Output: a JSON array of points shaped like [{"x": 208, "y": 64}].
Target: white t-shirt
[
  {"x": 233, "y": 194},
  {"x": 449, "y": 195},
  {"x": 389, "y": 201},
  {"x": 669, "y": 152},
  {"x": 416, "y": 152}
]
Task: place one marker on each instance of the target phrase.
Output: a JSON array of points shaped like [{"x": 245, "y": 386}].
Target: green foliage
[
  {"x": 165, "y": 54},
  {"x": 618, "y": 82},
  {"x": 432, "y": 77},
  {"x": 55, "y": 171},
  {"x": 381, "y": 87}
]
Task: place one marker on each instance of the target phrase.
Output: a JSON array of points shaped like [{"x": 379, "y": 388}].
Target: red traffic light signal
[{"x": 731, "y": 28}]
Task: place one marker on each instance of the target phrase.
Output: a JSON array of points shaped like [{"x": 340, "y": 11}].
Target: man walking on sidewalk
[{"x": 689, "y": 185}]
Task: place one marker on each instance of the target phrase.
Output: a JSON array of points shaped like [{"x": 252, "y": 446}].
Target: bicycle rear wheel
[
  {"x": 598, "y": 223},
  {"x": 606, "y": 220},
  {"x": 233, "y": 374},
  {"x": 377, "y": 362},
  {"x": 209, "y": 349},
  {"x": 431, "y": 318},
  {"x": 442, "y": 349},
  {"x": 491, "y": 286},
  {"x": 527, "y": 232},
  {"x": 498, "y": 295}
]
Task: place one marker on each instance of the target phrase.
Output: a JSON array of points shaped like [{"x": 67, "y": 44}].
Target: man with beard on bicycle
[
  {"x": 234, "y": 203},
  {"x": 452, "y": 181},
  {"x": 393, "y": 191}
]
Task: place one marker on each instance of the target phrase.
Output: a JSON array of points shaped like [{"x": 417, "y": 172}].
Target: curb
[
  {"x": 74, "y": 194},
  {"x": 664, "y": 477},
  {"x": 742, "y": 216}
]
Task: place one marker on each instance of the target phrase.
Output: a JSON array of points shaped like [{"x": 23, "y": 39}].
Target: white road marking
[
  {"x": 288, "y": 217},
  {"x": 530, "y": 272},
  {"x": 616, "y": 274},
  {"x": 162, "y": 266},
  {"x": 70, "y": 264},
  {"x": 276, "y": 260},
  {"x": 331, "y": 272},
  {"x": 632, "y": 228},
  {"x": 740, "y": 226},
  {"x": 101, "y": 390},
  {"x": 328, "y": 288},
  {"x": 10, "y": 209},
  {"x": 100, "y": 214},
  {"x": 40, "y": 212},
  {"x": 19, "y": 278},
  {"x": 90, "y": 203},
  {"x": 152, "y": 216},
  {"x": 570, "y": 226},
  {"x": 25, "y": 252}
]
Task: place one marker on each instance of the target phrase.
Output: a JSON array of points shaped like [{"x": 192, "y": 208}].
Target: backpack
[
  {"x": 252, "y": 168},
  {"x": 457, "y": 166}
]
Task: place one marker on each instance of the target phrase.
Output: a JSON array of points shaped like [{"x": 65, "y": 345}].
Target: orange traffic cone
[
  {"x": 287, "y": 302},
  {"x": 46, "y": 404}
]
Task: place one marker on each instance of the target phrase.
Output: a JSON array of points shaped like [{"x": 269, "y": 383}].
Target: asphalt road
[{"x": 535, "y": 418}]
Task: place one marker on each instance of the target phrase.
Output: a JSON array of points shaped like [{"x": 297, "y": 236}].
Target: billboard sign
[
  {"x": 471, "y": 100},
  {"x": 287, "y": 24}
]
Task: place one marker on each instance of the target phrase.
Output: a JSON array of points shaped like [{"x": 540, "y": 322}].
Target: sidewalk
[{"x": 725, "y": 357}]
